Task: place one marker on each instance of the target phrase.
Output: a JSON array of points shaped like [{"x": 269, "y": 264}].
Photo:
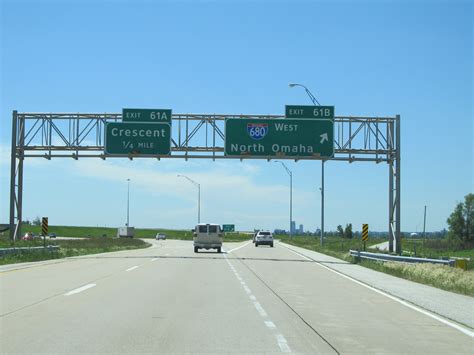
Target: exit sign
[
  {"x": 146, "y": 115},
  {"x": 298, "y": 111}
]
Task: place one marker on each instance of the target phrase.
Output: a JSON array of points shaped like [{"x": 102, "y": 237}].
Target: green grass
[
  {"x": 440, "y": 276},
  {"x": 69, "y": 248},
  {"x": 438, "y": 249}
]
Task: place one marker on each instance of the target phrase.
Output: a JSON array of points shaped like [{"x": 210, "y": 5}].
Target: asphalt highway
[{"x": 167, "y": 299}]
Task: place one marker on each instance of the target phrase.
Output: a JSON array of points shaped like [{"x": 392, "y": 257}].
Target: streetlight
[
  {"x": 311, "y": 96},
  {"x": 199, "y": 194},
  {"x": 128, "y": 202},
  {"x": 316, "y": 102},
  {"x": 291, "y": 194}
]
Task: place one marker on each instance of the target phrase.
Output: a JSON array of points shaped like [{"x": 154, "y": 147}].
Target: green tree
[
  {"x": 348, "y": 231},
  {"x": 461, "y": 221},
  {"x": 340, "y": 231}
]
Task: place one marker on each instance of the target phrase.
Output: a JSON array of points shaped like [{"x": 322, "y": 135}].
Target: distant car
[
  {"x": 160, "y": 236},
  {"x": 52, "y": 235},
  {"x": 264, "y": 238},
  {"x": 28, "y": 236}
]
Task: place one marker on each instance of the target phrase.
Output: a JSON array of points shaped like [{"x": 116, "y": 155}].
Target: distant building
[
  {"x": 301, "y": 231},
  {"x": 293, "y": 227}
]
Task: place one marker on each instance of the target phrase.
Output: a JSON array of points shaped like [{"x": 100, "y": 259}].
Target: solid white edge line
[
  {"x": 80, "y": 289},
  {"x": 399, "y": 300},
  {"x": 132, "y": 268},
  {"x": 231, "y": 250}
]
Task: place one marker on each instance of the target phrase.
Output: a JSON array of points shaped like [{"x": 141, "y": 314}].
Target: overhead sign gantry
[{"x": 303, "y": 133}]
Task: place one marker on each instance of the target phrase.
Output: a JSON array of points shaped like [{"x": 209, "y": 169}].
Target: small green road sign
[
  {"x": 137, "y": 138},
  {"x": 271, "y": 138},
  {"x": 228, "y": 228},
  {"x": 298, "y": 111},
  {"x": 146, "y": 115}
]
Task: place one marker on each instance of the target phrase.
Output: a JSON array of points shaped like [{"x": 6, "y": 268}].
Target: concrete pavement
[{"x": 167, "y": 299}]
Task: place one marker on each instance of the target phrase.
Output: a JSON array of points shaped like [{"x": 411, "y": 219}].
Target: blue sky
[{"x": 377, "y": 58}]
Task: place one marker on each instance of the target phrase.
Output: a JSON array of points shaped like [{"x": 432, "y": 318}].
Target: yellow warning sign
[
  {"x": 365, "y": 232},
  {"x": 44, "y": 226}
]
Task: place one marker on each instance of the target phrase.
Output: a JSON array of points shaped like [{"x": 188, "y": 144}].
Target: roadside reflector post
[
  {"x": 44, "y": 229},
  {"x": 365, "y": 233}
]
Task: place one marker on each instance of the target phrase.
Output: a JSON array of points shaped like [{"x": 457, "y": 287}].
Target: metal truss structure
[{"x": 81, "y": 135}]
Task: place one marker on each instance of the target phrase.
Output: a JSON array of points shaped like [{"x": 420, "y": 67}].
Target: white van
[{"x": 207, "y": 236}]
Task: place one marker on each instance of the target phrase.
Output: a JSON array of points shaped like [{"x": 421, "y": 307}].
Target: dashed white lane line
[
  {"x": 132, "y": 268},
  {"x": 260, "y": 309},
  {"x": 231, "y": 250},
  {"x": 80, "y": 289},
  {"x": 283, "y": 344},
  {"x": 442, "y": 320},
  {"x": 154, "y": 259},
  {"x": 270, "y": 324}
]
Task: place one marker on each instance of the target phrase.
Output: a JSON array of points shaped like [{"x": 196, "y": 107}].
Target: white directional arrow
[{"x": 324, "y": 137}]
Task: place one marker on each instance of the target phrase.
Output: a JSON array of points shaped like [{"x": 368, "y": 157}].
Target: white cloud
[{"x": 229, "y": 194}]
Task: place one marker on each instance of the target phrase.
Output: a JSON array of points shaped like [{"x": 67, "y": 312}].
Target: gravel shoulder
[{"x": 456, "y": 307}]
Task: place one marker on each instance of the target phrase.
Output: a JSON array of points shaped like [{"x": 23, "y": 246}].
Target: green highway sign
[
  {"x": 298, "y": 111},
  {"x": 137, "y": 138},
  {"x": 279, "y": 138},
  {"x": 228, "y": 228},
  {"x": 146, "y": 115}
]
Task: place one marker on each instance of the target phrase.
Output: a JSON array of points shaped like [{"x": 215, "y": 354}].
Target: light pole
[
  {"x": 291, "y": 194},
  {"x": 311, "y": 96},
  {"x": 128, "y": 202},
  {"x": 424, "y": 224},
  {"x": 322, "y": 203},
  {"x": 316, "y": 103},
  {"x": 199, "y": 194}
]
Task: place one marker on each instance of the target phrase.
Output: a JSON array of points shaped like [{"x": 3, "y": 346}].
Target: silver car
[
  {"x": 264, "y": 238},
  {"x": 160, "y": 236}
]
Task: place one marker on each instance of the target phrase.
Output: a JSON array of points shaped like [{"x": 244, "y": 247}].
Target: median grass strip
[{"x": 440, "y": 276}]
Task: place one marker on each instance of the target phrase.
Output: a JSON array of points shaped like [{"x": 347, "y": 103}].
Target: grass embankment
[
  {"x": 438, "y": 249},
  {"x": 440, "y": 276},
  {"x": 67, "y": 248}
]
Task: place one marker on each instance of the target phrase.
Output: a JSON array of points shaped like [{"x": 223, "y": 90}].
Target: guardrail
[
  {"x": 396, "y": 258},
  {"x": 6, "y": 251}
]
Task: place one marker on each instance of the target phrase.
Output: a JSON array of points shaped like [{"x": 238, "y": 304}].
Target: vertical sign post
[{"x": 365, "y": 233}]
